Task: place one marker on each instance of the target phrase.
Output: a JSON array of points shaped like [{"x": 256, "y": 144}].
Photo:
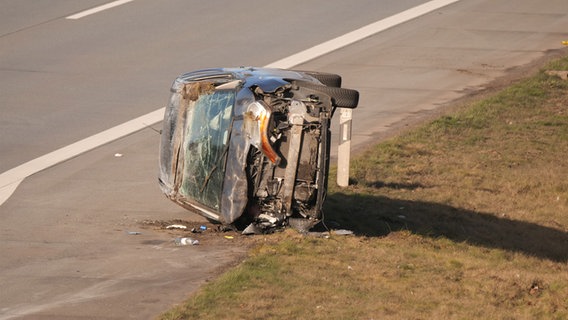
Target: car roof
[{"x": 250, "y": 75}]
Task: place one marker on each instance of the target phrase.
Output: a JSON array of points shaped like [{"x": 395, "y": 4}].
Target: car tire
[
  {"x": 327, "y": 79},
  {"x": 340, "y": 97}
]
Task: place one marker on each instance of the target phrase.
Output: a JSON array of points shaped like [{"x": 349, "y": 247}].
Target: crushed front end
[{"x": 268, "y": 168}]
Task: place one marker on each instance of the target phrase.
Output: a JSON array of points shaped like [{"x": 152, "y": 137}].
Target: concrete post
[{"x": 344, "y": 148}]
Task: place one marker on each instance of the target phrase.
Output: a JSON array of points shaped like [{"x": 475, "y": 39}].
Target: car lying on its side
[{"x": 249, "y": 147}]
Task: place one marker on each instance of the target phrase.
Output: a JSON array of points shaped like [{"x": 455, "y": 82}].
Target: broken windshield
[{"x": 207, "y": 127}]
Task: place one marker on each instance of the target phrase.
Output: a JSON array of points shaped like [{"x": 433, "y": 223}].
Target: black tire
[
  {"x": 340, "y": 97},
  {"x": 328, "y": 79}
]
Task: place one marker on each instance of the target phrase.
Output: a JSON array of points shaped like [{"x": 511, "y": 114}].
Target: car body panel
[{"x": 249, "y": 146}]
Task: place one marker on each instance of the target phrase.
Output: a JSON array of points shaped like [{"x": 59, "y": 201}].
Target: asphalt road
[{"x": 64, "y": 247}]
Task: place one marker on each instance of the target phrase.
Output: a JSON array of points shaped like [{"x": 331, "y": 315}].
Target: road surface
[{"x": 64, "y": 233}]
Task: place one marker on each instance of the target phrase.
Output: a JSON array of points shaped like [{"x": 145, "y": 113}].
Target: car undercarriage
[{"x": 268, "y": 167}]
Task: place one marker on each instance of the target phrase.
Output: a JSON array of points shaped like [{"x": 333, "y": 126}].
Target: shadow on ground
[{"x": 375, "y": 216}]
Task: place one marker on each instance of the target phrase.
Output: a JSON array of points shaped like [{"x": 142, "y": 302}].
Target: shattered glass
[
  {"x": 207, "y": 127},
  {"x": 249, "y": 147}
]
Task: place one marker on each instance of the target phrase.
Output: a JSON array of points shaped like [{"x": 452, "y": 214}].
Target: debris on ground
[
  {"x": 200, "y": 229},
  {"x": 342, "y": 232},
  {"x": 176, "y": 226},
  {"x": 184, "y": 241}
]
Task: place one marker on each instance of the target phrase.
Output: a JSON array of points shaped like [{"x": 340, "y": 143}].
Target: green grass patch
[{"x": 462, "y": 218}]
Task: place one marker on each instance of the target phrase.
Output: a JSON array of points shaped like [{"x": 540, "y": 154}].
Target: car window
[{"x": 207, "y": 127}]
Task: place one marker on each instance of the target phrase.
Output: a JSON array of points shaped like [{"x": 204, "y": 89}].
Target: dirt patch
[{"x": 512, "y": 75}]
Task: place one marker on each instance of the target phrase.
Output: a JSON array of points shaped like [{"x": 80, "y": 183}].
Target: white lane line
[
  {"x": 10, "y": 179},
  {"x": 359, "y": 34},
  {"x": 97, "y": 9}
]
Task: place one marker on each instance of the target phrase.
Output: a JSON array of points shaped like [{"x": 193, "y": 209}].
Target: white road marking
[
  {"x": 97, "y": 9},
  {"x": 359, "y": 34},
  {"x": 10, "y": 179}
]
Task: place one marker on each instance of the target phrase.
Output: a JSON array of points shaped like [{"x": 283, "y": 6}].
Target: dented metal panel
[{"x": 249, "y": 147}]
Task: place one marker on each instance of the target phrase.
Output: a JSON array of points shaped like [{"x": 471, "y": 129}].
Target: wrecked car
[{"x": 249, "y": 147}]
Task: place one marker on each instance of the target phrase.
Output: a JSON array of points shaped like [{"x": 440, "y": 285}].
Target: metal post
[{"x": 344, "y": 148}]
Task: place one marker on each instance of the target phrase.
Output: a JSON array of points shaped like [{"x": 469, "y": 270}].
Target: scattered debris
[
  {"x": 536, "y": 288},
  {"x": 176, "y": 226},
  {"x": 252, "y": 229},
  {"x": 199, "y": 230},
  {"x": 186, "y": 241},
  {"x": 342, "y": 232}
]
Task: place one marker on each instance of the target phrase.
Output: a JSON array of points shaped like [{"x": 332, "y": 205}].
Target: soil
[{"x": 512, "y": 75}]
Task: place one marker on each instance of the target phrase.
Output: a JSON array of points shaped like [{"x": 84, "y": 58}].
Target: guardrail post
[{"x": 344, "y": 147}]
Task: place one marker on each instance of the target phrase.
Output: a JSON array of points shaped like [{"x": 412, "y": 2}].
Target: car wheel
[
  {"x": 340, "y": 97},
  {"x": 328, "y": 79}
]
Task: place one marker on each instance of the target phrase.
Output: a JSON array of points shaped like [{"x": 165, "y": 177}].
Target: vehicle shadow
[{"x": 375, "y": 216}]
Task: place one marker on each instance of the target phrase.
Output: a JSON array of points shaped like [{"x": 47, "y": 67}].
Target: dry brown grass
[{"x": 463, "y": 218}]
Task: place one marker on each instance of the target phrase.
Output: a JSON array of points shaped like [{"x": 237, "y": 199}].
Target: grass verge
[{"x": 465, "y": 217}]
